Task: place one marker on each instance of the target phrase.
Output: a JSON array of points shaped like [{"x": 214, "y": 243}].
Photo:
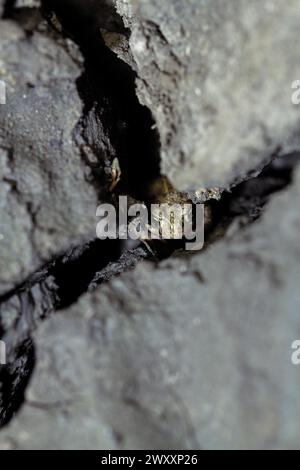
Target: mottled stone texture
[
  {"x": 194, "y": 353},
  {"x": 217, "y": 77},
  {"x": 46, "y": 202},
  {"x": 187, "y": 353}
]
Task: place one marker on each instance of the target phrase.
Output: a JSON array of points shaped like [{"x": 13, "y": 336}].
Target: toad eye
[{"x": 115, "y": 174}]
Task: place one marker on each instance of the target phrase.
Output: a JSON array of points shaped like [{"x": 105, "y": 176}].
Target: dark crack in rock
[
  {"x": 55, "y": 287},
  {"x": 195, "y": 352}
]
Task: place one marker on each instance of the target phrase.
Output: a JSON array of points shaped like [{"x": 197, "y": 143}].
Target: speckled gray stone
[
  {"x": 47, "y": 204},
  {"x": 194, "y": 353},
  {"x": 217, "y": 77}
]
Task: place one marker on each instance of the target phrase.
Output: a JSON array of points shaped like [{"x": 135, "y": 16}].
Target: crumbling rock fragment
[{"x": 217, "y": 77}]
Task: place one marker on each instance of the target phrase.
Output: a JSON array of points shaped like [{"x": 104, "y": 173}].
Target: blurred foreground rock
[
  {"x": 217, "y": 77},
  {"x": 194, "y": 353}
]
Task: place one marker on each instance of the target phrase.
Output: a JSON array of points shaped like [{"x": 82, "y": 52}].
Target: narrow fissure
[
  {"x": 107, "y": 89},
  {"x": 246, "y": 202}
]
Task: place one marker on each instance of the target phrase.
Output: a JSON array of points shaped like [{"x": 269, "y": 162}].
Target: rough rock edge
[
  {"x": 150, "y": 28},
  {"x": 35, "y": 227}
]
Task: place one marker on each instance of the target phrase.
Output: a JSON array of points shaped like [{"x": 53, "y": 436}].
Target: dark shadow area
[
  {"x": 14, "y": 378},
  {"x": 28, "y": 18},
  {"x": 74, "y": 273},
  {"x": 8, "y": 9},
  {"x": 248, "y": 199},
  {"x": 108, "y": 91}
]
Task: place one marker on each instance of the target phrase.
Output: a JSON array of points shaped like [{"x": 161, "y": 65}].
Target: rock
[
  {"x": 193, "y": 353},
  {"x": 47, "y": 202},
  {"x": 27, "y": 4},
  {"x": 217, "y": 77}
]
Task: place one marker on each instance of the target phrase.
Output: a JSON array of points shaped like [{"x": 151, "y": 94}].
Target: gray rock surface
[
  {"x": 27, "y": 4},
  {"x": 193, "y": 353},
  {"x": 217, "y": 77},
  {"x": 47, "y": 204}
]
